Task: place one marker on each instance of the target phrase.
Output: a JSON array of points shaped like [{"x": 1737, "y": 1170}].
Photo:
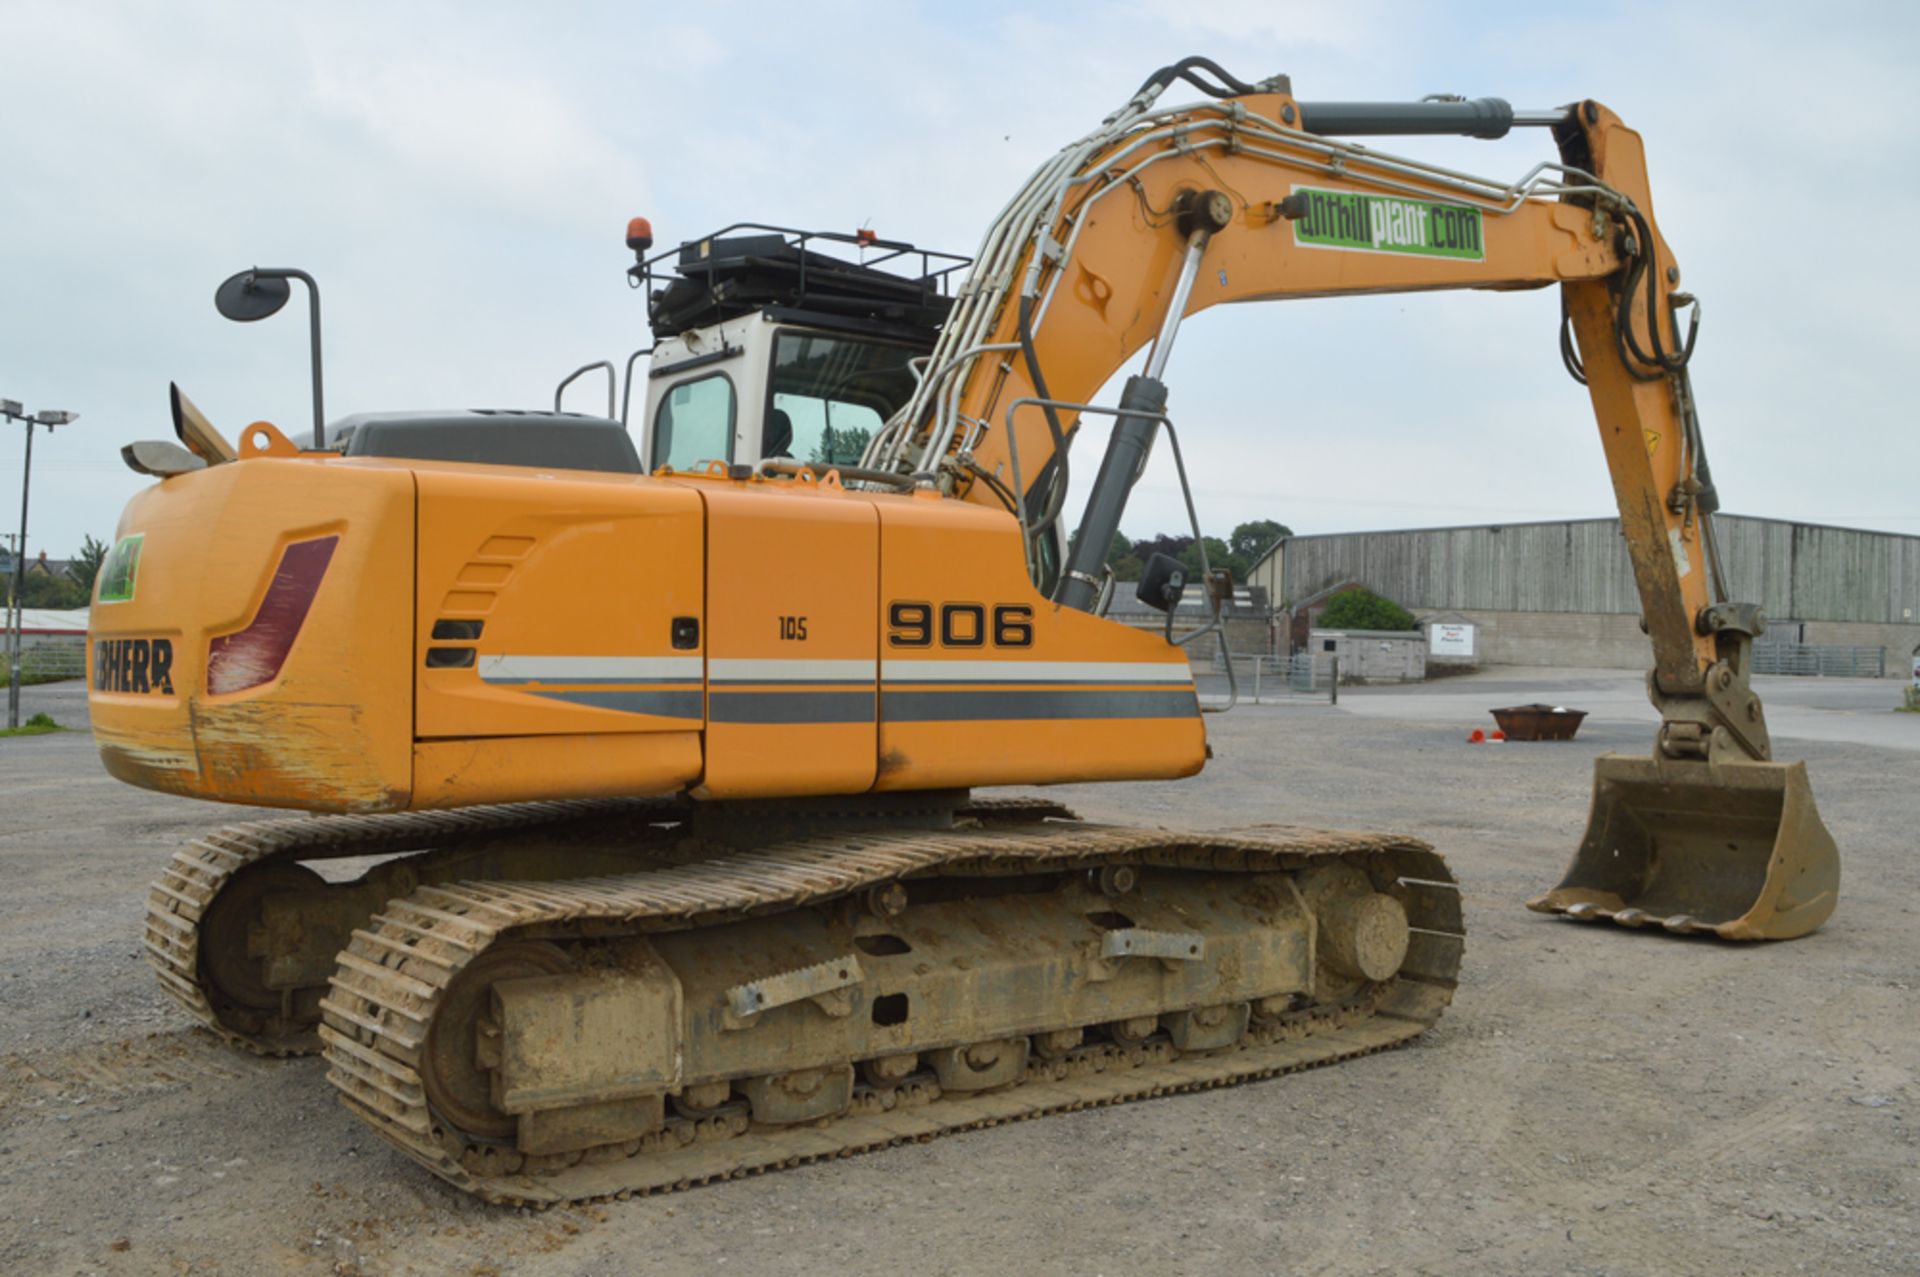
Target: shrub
[{"x": 1364, "y": 610}]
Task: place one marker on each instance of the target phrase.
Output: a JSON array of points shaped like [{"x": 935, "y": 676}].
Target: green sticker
[
  {"x": 1388, "y": 224},
  {"x": 119, "y": 572}
]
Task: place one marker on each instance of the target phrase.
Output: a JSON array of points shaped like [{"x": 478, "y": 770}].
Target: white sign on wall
[{"x": 1450, "y": 640}]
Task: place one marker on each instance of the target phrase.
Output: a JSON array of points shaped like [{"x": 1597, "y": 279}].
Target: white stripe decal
[
  {"x": 589, "y": 669},
  {"x": 910, "y": 670},
  {"x": 744, "y": 670},
  {"x": 650, "y": 669}
]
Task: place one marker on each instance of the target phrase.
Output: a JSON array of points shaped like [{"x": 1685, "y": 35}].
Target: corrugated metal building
[{"x": 1563, "y": 593}]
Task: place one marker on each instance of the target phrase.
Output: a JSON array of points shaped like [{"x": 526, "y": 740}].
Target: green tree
[
  {"x": 1171, "y": 546},
  {"x": 1120, "y": 556},
  {"x": 1253, "y": 539},
  {"x": 86, "y": 564},
  {"x": 1218, "y": 556},
  {"x": 1359, "y": 609},
  {"x": 843, "y": 447},
  {"x": 59, "y": 593},
  {"x": 1125, "y": 563}
]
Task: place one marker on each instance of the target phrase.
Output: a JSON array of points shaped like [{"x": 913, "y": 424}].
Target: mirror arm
[{"x": 234, "y": 305}]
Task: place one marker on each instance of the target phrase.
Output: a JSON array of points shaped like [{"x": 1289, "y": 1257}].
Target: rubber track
[
  {"x": 394, "y": 973},
  {"x": 197, "y": 873}
]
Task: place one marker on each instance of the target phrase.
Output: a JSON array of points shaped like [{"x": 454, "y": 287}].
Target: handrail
[
  {"x": 1219, "y": 621},
  {"x": 581, "y": 371},
  {"x": 626, "y": 391}
]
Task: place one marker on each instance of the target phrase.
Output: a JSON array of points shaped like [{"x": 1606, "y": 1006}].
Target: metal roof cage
[{"x": 751, "y": 266}]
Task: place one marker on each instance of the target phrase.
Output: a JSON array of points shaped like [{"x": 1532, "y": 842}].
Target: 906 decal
[{"x": 959, "y": 625}]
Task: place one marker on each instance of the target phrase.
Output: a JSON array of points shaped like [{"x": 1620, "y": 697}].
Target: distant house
[
  {"x": 52, "y": 567},
  {"x": 39, "y": 563}
]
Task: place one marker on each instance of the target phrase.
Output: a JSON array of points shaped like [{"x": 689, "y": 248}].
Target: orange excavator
[{"x": 643, "y": 846}]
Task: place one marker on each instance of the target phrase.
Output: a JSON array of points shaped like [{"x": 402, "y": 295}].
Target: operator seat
[{"x": 779, "y": 435}]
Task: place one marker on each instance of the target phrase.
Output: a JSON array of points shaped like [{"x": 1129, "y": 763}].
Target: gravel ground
[{"x": 1596, "y": 1101}]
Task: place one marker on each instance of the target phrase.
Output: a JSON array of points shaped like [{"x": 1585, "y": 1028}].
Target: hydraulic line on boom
[{"x": 1707, "y": 834}]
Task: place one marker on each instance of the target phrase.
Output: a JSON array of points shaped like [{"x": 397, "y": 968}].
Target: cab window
[
  {"x": 830, "y": 395},
  {"x": 694, "y": 424}
]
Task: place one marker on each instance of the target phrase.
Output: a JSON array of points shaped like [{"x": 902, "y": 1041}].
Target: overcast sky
[{"x": 458, "y": 178}]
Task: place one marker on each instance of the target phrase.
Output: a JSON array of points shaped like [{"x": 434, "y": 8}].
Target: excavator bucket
[{"x": 1735, "y": 849}]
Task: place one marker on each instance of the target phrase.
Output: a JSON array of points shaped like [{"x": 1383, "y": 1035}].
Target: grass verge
[{"x": 38, "y": 725}]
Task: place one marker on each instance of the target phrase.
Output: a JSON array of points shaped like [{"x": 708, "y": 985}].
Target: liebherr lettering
[{"x": 133, "y": 665}]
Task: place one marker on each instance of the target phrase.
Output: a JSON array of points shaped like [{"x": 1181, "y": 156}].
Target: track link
[
  {"x": 394, "y": 975},
  {"x": 178, "y": 902}
]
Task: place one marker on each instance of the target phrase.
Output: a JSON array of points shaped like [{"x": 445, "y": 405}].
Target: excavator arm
[{"x": 1250, "y": 196}]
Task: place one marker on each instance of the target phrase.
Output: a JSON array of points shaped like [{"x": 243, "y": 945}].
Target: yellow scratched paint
[
  {"x": 334, "y": 731},
  {"x": 786, "y": 586}
]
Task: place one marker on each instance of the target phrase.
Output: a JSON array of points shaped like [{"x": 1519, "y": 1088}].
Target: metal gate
[{"x": 1830, "y": 660}]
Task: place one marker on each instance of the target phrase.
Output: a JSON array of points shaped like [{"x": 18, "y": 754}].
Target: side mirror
[
  {"x": 1162, "y": 583},
  {"x": 262, "y": 291},
  {"x": 250, "y": 295}
]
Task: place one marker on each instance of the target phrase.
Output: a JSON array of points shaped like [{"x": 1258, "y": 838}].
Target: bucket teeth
[{"x": 1732, "y": 849}]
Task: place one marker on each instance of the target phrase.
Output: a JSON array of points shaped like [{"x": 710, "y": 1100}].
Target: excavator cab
[{"x": 775, "y": 345}]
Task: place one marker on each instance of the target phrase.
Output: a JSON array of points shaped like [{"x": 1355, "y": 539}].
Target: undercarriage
[{"x": 554, "y": 1002}]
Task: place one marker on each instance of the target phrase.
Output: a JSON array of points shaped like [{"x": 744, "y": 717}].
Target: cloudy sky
[{"x": 458, "y": 178}]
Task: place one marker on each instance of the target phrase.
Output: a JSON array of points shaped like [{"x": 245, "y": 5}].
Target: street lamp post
[{"x": 11, "y": 409}]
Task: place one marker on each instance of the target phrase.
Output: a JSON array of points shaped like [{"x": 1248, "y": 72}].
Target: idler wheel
[
  {"x": 457, "y": 1087},
  {"x": 238, "y": 976},
  {"x": 1365, "y": 937}
]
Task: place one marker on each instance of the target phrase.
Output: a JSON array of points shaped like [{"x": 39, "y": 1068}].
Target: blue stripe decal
[{"x": 677, "y": 704}]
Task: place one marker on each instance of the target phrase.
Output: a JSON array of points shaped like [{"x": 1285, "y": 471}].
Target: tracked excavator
[{"x": 641, "y": 842}]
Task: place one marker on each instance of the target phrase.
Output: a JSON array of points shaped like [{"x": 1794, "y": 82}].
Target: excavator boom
[{"x": 1162, "y": 213}]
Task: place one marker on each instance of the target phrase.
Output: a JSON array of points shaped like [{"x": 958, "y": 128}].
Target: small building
[
  {"x": 53, "y": 643},
  {"x": 53, "y": 625},
  {"x": 1372, "y": 656}
]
